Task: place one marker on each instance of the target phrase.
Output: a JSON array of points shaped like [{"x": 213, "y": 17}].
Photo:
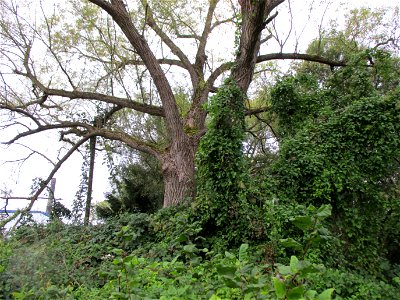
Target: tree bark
[
  {"x": 179, "y": 171},
  {"x": 178, "y": 160},
  {"x": 254, "y": 14}
]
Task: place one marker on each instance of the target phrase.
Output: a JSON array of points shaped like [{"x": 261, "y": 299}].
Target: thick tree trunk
[
  {"x": 254, "y": 14},
  {"x": 179, "y": 172}
]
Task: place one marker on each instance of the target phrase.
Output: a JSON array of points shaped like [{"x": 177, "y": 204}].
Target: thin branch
[
  {"x": 276, "y": 56},
  {"x": 269, "y": 126},
  {"x": 36, "y": 152},
  {"x": 161, "y": 61},
  {"x": 255, "y": 111},
  {"x": 43, "y": 128},
  {"x": 22, "y": 112},
  {"x": 217, "y": 23}
]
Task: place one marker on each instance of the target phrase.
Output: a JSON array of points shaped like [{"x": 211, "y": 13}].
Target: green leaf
[
  {"x": 325, "y": 295},
  {"x": 323, "y": 231},
  {"x": 310, "y": 294},
  {"x": 280, "y": 288},
  {"x": 215, "y": 297},
  {"x": 175, "y": 259},
  {"x": 243, "y": 255},
  {"x": 295, "y": 293},
  {"x": 294, "y": 264},
  {"x": 303, "y": 222},
  {"x": 230, "y": 282},
  {"x": 291, "y": 243},
  {"x": 307, "y": 267},
  {"x": 117, "y": 251},
  {"x": 229, "y": 255},
  {"x": 284, "y": 270},
  {"x": 324, "y": 211},
  {"x": 182, "y": 238},
  {"x": 226, "y": 270},
  {"x": 189, "y": 248}
]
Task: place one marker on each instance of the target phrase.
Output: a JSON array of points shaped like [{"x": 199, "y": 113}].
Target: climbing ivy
[
  {"x": 347, "y": 154},
  {"x": 222, "y": 175}
]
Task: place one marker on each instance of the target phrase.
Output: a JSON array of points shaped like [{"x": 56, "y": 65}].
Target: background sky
[{"x": 16, "y": 175}]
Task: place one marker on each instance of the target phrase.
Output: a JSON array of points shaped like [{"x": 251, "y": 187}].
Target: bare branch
[
  {"x": 75, "y": 94},
  {"x": 36, "y": 152},
  {"x": 121, "y": 16},
  {"x": 161, "y": 61},
  {"x": 300, "y": 56},
  {"x": 200, "y": 55},
  {"x": 43, "y": 128},
  {"x": 255, "y": 111},
  {"x": 218, "y": 72},
  {"x": 129, "y": 140},
  {"x": 22, "y": 112},
  {"x": 50, "y": 48},
  {"x": 269, "y": 20},
  {"x": 267, "y": 38},
  {"x": 171, "y": 45},
  {"x": 217, "y": 23},
  {"x": 44, "y": 184}
]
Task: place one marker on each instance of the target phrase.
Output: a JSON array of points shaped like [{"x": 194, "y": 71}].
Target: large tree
[{"x": 83, "y": 72}]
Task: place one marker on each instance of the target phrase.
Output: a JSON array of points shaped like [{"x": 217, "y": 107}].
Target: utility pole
[
  {"x": 92, "y": 149},
  {"x": 50, "y": 200}
]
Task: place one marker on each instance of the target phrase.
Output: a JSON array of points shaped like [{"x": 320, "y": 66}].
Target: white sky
[{"x": 17, "y": 178}]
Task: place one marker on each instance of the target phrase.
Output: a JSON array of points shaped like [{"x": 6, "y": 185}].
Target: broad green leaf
[
  {"x": 230, "y": 282},
  {"x": 294, "y": 261},
  {"x": 324, "y": 211},
  {"x": 280, "y": 288},
  {"x": 229, "y": 255},
  {"x": 307, "y": 267},
  {"x": 291, "y": 243},
  {"x": 175, "y": 259},
  {"x": 323, "y": 231},
  {"x": 215, "y": 297},
  {"x": 243, "y": 255},
  {"x": 295, "y": 293},
  {"x": 303, "y": 222},
  {"x": 310, "y": 294},
  {"x": 117, "y": 251},
  {"x": 284, "y": 270},
  {"x": 226, "y": 270},
  {"x": 189, "y": 248},
  {"x": 325, "y": 295},
  {"x": 182, "y": 238}
]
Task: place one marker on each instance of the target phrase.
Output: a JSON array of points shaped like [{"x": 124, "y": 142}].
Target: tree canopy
[{"x": 138, "y": 73}]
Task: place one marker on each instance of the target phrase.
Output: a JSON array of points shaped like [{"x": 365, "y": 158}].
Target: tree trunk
[
  {"x": 254, "y": 20},
  {"x": 179, "y": 172}
]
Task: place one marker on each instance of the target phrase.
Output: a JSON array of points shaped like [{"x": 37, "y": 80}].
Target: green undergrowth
[{"x": 163, "y": 256}]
